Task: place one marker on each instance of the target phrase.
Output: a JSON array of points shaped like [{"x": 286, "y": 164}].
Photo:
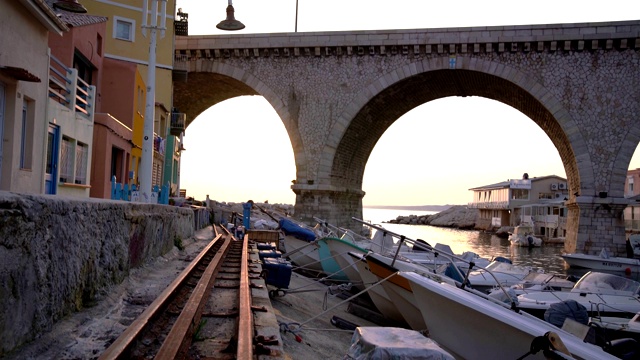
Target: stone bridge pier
[{"x": 338, "y": 92}]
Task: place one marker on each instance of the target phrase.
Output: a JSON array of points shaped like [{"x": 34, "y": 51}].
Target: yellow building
[{"x": 126, "y": 54}]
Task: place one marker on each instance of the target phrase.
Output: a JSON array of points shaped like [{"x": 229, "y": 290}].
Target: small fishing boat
[
  {"x": 336, "y": 251},
  {"x": 522, "y": 235},
  {"x": 472, "y": 327},
  {"x": 378, "y": 295},
  {"x": 602, "y": 261},
  {"x": 499, "y": 272},
  {"x": 536, "y": 281},
  {"x": 602, "y": 294},
  {"x": 398, "y": 289}
]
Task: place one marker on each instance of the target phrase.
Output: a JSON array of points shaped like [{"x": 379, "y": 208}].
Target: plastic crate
[
  {"x": 278, "y": 272},
  {"x": 263, "y": 254},
  {"x": 266, "y": 246}
]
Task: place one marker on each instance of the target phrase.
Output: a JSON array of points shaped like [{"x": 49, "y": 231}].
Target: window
[
  {"x": 66, "y": 160},
  {"x": 124, "y": 29},
  {"x": 117, "y": 162},
  {"x": 84, "y": 66},
  {"x": 81, "y": 163},
  {"x": 175, "y": 171},
  {"x": 26, "y": 137},
  {"x": 99, "y": 45},
  {"x": 519, "y": 194}
]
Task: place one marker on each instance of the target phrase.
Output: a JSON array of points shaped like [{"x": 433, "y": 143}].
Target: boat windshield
[
  {"x": 502, "y": 267},
  {"x": 606, "y": 284}
]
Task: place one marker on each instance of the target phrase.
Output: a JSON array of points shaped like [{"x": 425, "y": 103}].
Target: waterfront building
[
  {"x": 632, "y": 211},
  {"x": 24, "y": 73},
  {"x": 537, "y": 201},
  {"x": 75, "y": 72},
  {"x": 120, "y": 130}
]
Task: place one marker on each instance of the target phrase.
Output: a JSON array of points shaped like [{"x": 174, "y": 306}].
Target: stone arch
[
  {"x": 431, "y": 79},
  {"x": 217, "y": 82}
]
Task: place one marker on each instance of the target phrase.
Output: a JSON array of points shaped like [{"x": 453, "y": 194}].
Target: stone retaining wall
[{"x": 58, "y": 255}]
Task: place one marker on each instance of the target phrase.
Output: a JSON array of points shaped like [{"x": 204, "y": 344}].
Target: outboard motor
[{"x": 530, "y": 240}]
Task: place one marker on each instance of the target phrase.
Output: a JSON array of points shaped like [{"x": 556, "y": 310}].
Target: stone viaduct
[{"x": 337, "y": 93}]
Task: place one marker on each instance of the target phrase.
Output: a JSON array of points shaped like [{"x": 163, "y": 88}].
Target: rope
[{"x": 350, "y": 298}]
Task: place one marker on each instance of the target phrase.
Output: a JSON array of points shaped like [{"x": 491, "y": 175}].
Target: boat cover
[
  {"x": 393, "y": 343},
  {"x": 558, "y": 312},
  {"x": 295, "y": 230}
]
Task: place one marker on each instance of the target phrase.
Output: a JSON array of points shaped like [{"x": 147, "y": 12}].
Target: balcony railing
[
  {"x": 178, "y": 122},
  {"x": 66, "y": 88},
  {"x": 489, "y": 205}
]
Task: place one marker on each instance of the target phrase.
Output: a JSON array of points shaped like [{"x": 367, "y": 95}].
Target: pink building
[{"x": 74, "y": 93}]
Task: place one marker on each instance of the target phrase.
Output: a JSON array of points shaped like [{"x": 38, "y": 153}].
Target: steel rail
[
  {"x": 245, "y": 320},
  {"x": 120, "y": 348},
  {"x": 177, "y": 343}
]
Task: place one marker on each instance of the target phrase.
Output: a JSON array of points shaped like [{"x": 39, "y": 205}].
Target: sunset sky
[{"x": 239, "y": 149}]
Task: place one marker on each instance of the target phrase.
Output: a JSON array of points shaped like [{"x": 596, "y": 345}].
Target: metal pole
[
  {"x": 146, "y": 161},
  {"x": 296, "y": 15}
]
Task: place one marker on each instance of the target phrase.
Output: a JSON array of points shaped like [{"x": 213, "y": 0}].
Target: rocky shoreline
[{"x": 457, "y": 216}]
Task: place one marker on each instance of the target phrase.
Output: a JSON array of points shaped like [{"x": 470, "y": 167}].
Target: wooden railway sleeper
[{"x": 259, "y": 308}]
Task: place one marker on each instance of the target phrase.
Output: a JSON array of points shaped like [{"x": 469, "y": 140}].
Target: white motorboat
[
  {"x": 472, "y": 327},
  {"x": 536, "y": 281},
  {"x": 333, "y": 250},
  {"x": 602, "y": 261},
  {"x": 378, "y": 295},
  {"x": 610, "y": 328},
  {"x": 398, "y": 289},
  {"x": 505, "y": 273},
  {"x": 601, "y": 294},
  {"x": 523, "y": 236}
]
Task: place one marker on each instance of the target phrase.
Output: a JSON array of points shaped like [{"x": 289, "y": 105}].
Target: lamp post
[
  {"x": 230, "y": 23},
  {"x": 146, "y": 161}
]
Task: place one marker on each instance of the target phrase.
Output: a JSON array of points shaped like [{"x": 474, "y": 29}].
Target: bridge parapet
[{"x": 525, "y": 38}]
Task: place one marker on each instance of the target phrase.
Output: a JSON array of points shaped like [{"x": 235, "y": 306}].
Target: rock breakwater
[{"x": 457, "y": 216}]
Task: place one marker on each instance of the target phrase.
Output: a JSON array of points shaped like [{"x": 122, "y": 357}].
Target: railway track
[{"x": 205, "y": 313}]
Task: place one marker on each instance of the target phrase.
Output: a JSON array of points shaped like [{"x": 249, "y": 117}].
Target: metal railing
[
  {"x": 66, "y": 88},
  {"x": 489, "y": 205},
  {"x": 129, "y": 192}
]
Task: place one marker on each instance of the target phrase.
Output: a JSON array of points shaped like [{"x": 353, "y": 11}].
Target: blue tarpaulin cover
[{"x": 293, "y": 229}]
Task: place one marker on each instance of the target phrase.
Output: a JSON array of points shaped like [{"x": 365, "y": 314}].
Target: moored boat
[
  {"x": 602, "y": 261},
  {"x": 472, "y": 327},
  {"x": 602, "y": 294},
  {"x": 522, "y": 235}
]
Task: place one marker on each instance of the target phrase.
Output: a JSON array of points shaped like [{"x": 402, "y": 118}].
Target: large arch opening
[
  {"x": 389, "y": 105},
  {"x": 238, "y": 150},
  {"x": 441, "y": 149}
]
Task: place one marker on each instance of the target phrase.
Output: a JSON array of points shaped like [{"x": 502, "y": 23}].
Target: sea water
[{"x": 487, "y": 245}]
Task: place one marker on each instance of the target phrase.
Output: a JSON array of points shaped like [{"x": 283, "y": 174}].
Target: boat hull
[
  {"x": 338, "y": 250},
  {"x": 378, "y": 295},
  {"x": 596, "y": 262},
  {"x": 456, "y": 319},
  {"x": 304, "y": 254}
]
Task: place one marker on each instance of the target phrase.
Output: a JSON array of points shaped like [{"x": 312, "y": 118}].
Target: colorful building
[
  {"x": 24, "y": 76},
  {"x": 126, "y": 57},
  {"x": 75, "y": 70}
]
